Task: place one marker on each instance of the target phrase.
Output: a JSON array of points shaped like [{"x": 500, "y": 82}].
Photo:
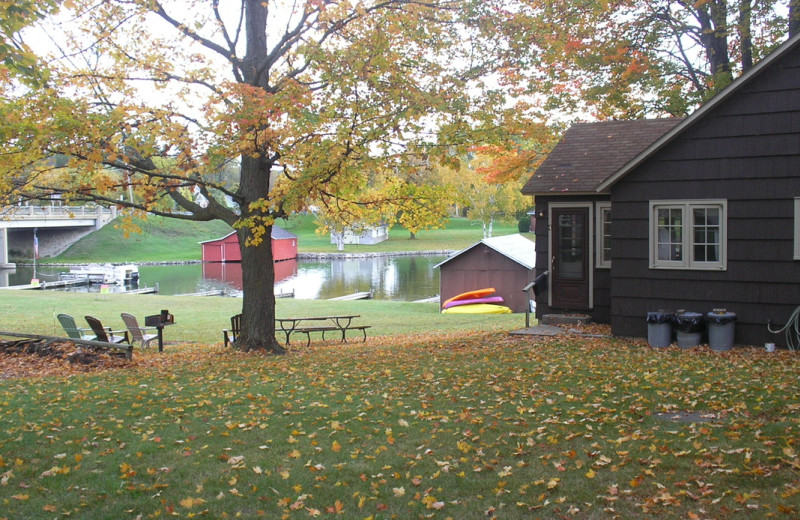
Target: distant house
[
  {"x": 226, "y": 249},
  {"x": 696, "y": 214},
  {"x": 505, "y": 263},
  {"x": 370, "y": 235}
]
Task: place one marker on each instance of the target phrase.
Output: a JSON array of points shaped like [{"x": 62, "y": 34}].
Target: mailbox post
[{"x": 159, "y": 321}]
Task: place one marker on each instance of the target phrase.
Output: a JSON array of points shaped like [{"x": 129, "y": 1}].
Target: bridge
[{"x": 57, "y": 227}]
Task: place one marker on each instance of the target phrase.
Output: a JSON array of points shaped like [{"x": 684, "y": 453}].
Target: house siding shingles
[{"x": 745, "y": 150}]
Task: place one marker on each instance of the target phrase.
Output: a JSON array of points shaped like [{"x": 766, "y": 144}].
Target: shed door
[{"x": 569, "y": 270}]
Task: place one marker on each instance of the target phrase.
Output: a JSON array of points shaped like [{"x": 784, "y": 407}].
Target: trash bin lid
[
  {"x": 721, "y": 317},
  {"x": 660, "y": 317},
  {"x": 689, "y": 321}
]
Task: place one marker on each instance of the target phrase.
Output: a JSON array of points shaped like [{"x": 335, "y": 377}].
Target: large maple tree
[{"x": 149, "y": 100}]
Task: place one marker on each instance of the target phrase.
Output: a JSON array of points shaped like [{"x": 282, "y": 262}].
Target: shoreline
[{"x": 300, "y": 256}]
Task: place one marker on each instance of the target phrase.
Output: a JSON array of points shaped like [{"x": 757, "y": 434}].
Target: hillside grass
[{"x": 171, "y": 240}]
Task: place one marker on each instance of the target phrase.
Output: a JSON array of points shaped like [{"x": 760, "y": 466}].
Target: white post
[{"x": 4, "y": 263}]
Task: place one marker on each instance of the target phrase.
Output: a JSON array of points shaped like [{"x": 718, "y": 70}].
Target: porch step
[{"x": 565, "y": 319}]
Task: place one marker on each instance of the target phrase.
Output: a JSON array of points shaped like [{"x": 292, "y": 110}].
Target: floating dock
[
  {"x": 355, "y": 296},
  {"x": 55, "y": 284}
]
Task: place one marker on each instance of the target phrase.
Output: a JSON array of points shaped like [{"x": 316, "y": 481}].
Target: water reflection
[{"x": 402, "y": 278}]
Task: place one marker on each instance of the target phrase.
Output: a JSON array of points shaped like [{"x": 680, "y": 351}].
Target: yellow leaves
[
  {"x": 399, "y": 491},
  {"x": 236, "y": 462},
  {"x": 126, "y": 471},
  {"x": 336, "y": 447},
  {"x": 21, "y": 496},
  {"x": 553, "y": 483},
  {"x": 590, "y": 474},
  {"x": 432, "y": 503},
  {"x": 50, "y": 508},
  {"x": 191, "y": 502}
]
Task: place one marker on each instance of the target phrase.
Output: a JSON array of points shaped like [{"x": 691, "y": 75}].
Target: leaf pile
[
  {"x": 29, "y": 358},
  {"x": 456, "y": 426}
]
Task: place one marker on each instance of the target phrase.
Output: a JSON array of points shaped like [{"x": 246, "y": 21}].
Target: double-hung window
[
  {"x": 688, "y": 234},
  {"x": 603, "y": 234}
]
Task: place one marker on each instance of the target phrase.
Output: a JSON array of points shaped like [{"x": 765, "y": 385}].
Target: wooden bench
[{"x": 340, "y": 324}]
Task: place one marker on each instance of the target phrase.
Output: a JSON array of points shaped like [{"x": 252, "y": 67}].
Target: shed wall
[
  {"x": 227, "y": 249},
  {"x": 482, "y": 267}
]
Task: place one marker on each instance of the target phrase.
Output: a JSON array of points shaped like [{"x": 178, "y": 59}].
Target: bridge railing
[{"x": 65, "y": 212}]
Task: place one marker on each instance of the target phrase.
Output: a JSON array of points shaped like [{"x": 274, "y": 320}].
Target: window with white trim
[
  {"x": 688, "y": 234},
  {"x": 797, "y": 228},
  {"x": 603, "y": 234}
]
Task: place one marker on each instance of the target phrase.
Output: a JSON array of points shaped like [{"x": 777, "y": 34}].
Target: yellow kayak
[{"x": 478, "y": 308}]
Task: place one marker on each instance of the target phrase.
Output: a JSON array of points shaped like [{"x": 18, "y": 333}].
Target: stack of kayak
[{"x": 481, "y": 301}]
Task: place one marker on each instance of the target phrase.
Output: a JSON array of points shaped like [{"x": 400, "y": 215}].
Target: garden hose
[{"x": 791, "y": 330}]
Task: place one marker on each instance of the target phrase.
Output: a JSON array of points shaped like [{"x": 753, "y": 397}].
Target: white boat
[{"x": 123, "y": 274}]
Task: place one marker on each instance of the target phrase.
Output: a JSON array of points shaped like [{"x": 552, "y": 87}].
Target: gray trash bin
[
  {"x": 689, "y": 328},
  {"x": 659, "y": 328},
  {"x": 721, "y": 328}
]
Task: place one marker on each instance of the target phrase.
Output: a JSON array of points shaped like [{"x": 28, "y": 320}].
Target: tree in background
[
  {"x": 627, "y": 60},
  {"x": 301, "y": 98},
  {"x": 484, "y": 198}
]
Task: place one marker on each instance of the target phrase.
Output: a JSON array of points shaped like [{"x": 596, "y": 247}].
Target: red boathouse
[{"x": 226, "y": 249}]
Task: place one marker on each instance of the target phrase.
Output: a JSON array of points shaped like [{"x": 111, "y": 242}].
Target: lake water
[{"x": 402, "y": 278}]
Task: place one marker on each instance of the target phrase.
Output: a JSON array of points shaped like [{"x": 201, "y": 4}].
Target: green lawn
[
  {"x": 201, "y": 319},
  {"x": 166, "y": 239},
  {"x": 440, "y": 426}
]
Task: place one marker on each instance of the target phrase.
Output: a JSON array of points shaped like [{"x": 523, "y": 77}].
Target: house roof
[
  {"x": 590, "y": 153},
  {"x": 515, "y": 247},
  {"x": 698, "y": 114},
  {"x": 277, "y": 234}
]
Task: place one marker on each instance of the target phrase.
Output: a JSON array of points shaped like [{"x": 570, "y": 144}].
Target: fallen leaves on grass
[{"x": 413, "y": 427}]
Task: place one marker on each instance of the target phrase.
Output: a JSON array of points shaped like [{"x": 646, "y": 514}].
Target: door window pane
[{"x": 571, "y": 247}]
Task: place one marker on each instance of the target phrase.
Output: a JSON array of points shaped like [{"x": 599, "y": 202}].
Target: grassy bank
[
  {"x": 166, "y": 239},
  {"x": 442, "y": 427}
]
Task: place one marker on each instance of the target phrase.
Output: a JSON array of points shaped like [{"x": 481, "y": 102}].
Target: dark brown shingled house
[{"x": 698, "y": 213}]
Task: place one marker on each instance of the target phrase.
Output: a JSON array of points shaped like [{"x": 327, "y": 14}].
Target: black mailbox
[{"x": 159, "y": 320}]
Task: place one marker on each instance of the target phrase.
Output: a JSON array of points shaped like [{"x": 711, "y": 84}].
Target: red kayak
[{"x": 479, "y": 293}]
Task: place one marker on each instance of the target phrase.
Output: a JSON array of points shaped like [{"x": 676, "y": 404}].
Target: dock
[
  {"x": 145, "y": 290},
  {"x": 432, "y": 299},
  {"x": 288, "y": 294},
  {"x": 355, "y": 296},
  {"x": 55, "y": 284},
  {"x": 217, "y": 292}
]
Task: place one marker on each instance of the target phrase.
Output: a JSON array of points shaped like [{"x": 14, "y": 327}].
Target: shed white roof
[{"x": 516, "y": 247}]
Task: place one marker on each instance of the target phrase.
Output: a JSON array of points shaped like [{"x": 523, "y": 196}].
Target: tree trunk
[
  {"x": 258, "y": 302},
  {"x": 412, "y": 235},
  {"x": 794, "y": 17},
  {"x": 714, "y": 36},
  {"x": 258, "y": 270},
  {"x": 745, "y": 34}
]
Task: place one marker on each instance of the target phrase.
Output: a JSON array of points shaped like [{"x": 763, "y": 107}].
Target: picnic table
[{"x": 323, "y": 324}]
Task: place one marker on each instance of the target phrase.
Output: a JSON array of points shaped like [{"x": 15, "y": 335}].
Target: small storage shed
[
  {"x": 370, "y": 235},
  {"x": 506, "y": 263},
  {"x": 226, "y": 249}
]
